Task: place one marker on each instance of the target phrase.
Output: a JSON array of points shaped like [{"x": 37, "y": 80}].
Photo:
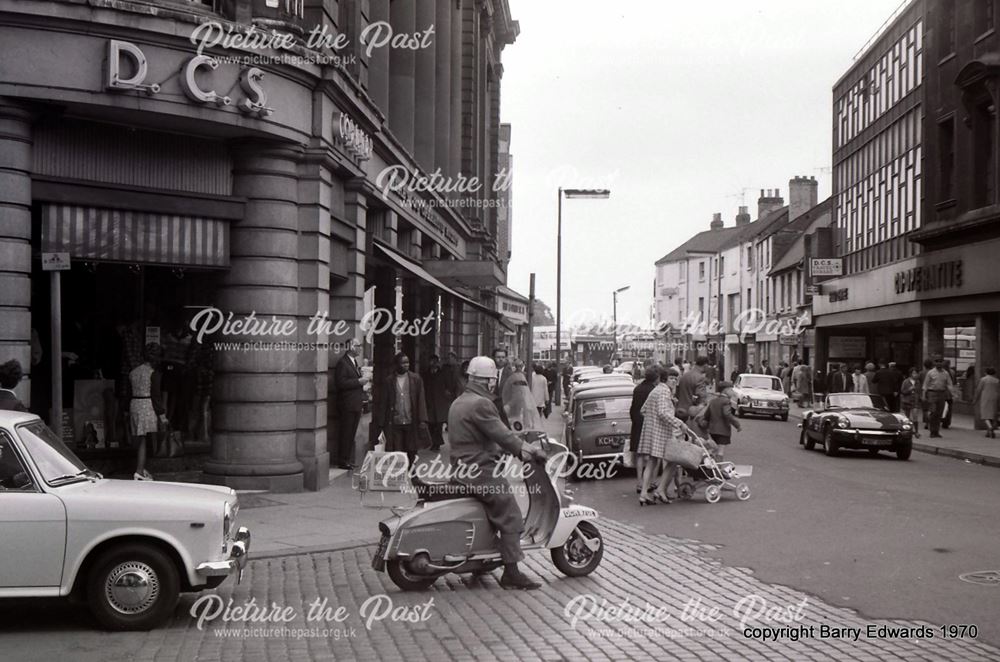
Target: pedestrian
[
  {"x": 909, "y": 399},
  {"x": 659, "y": 427},
  {"x": 463, "y": 377},
  {"x": 721, "y": 420},
  {"x": 349, "y": 383},
  {"x": 988, "y": 398},
  {"x": 785, "y": 375},
  {"x": 819, "y": 384},
  {"x": 540, "y": 390},
  {"x": 711, "y": 375},
  {"x": 841, "y": 380},
  {"x": 936, "y": 388},
  {"x": 887, "y": 382},
  {"x": 439, "y": 396},
  {"x": 518, "y": 402},
  {"x": 651, "y": 377},
  {"x": 765, "y": 369},
  {"x": 804, "y": 385},
  {"x": 504, "y": 371},
  {"x": 924, "y": 407},
  {"x": 10, "y": 377},
  {"x": 402, "y": 412},
  {"x": 607, "y": 369},
  {"x": 949, "y": 406},
  {"x": 870, "y": 377},
  {"x": 859, "y": 383},
  {"x": 734, "y": 375},
  {"x": 691, "y": 389},
  {"x": 146, "y": 411}
]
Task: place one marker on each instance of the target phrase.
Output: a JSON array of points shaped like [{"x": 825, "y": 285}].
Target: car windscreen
[
  {"x": 856, "y": 401},
  {"x": 52, "y": 457},
  {"x": 594, "y": 410},
  {"x": 770, "y": 383}
]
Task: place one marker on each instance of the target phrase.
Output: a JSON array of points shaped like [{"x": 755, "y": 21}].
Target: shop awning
[
  {"x": 118, "y": 235},
  {"x": 415, "y": 269}
]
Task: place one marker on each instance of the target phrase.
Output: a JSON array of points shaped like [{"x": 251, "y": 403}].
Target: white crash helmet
[{"x": 483, "y": 366}]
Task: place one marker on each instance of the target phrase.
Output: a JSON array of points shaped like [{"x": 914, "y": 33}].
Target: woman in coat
[
  {"x": 639, "y": 396},
  {"x": 804, "y": 385},
  {"x": 988, "y": 398},
  {"x": 659, "y": 427}
]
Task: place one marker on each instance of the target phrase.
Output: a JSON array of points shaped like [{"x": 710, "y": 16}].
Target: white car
[
  {"x": 761, "y": 395},
  {"x": 128, "y": 548}
]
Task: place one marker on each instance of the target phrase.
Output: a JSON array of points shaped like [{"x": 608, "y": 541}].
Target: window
[
  {"x": 984, "y": 16},
  {"x": 13, "y": 475},
  {"x": 749, "y": 298},
  {"x": 701, "y": 308},
  {"x": 946, "y": 149},
  {"x": 984, "y": 129},
  {"x": 682, "y": 271},
  {"x": 722, "y": 265},
  {"x": 701, "y": 270},
  {"x": 946, "y": 28}
]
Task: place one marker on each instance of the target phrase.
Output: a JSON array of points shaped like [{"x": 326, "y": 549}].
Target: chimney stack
[
  {"x": 717, "y": 223},
  {"x": 803, "y": 195},
  {"x": 742, "y": 218},
  {"x": 768, "y": 203}
]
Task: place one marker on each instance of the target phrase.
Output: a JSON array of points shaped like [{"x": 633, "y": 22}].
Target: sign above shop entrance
[
  {"x": 939, "y": 276},
  {"x": 55, "y": 262},
  {"x": 826, "y": 266}
]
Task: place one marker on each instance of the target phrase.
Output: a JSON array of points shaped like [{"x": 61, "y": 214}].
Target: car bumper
[
  {"x": 857, "y": 439},
  {"x": 765, "y": 411},
  {"x": 237, "y": 561}
]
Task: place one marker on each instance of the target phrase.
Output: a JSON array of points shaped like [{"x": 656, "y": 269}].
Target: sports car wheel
[
  {"x": 829, "y": 445},
  {"x": 742, "y": 491},
  {"x": 806, "y": 440},
  {"x": 903, "y": 453},
  {"x": 713, "y": 494}
]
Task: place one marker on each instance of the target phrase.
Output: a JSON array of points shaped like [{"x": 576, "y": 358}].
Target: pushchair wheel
[
  {"x": 685, "y": 491},
  {"x": 742, "y": 491},
  {"x": 713, "y": 493}
]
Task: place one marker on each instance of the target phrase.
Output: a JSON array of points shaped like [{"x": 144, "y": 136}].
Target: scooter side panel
[{"x": 457, "y": 527}]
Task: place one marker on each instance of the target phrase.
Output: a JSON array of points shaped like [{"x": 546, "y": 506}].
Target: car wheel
[
  {"x": 784, "y": 417},
  {"x": 581, "y": 553},
  {"x": 829, "y": 445},
  {"x": 133, "y": 587},
  {"x": 873, "y": 451},
  {"x": 739, "y": 412},
  {"x": 903, "y": 453}
]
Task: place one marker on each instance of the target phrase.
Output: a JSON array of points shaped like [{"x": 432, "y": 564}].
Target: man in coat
[
  {"x": 887, "y": 382},
  {"x": 10, "y": 377},
  {"x": 402, "y": 412},
  {"x": 937, "y": 389},
  {"x": 840, "y": 381},
  {"x": 504, "y": 372},
  {"x": 765, "y": 369},
  {"x": 440, "y": 394},
  {"x": 721, "y": 420},
  {"x": 478, "y": 441},
  {"x": 691, "y": 389},
  {"x": 349, "y": 383}
]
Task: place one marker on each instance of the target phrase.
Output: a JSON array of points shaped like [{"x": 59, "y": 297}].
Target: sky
[{"x": 682, "y": 109}]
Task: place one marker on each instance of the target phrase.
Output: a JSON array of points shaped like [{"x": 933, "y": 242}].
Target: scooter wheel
[
  {"x": 402, "y": 578},
  {"x": 581, "y": 553}
]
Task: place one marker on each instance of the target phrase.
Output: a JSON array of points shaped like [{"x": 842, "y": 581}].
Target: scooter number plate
[{"x": 378, "y": 561}]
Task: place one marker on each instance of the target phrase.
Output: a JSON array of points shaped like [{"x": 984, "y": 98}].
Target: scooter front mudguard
[{"x": 569, "y": 517}]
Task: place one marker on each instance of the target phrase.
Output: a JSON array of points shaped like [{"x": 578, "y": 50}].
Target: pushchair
[{"x": 701, "y": 469}]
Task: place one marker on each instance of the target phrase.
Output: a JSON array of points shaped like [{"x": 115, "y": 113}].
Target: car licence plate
[
  {"x": 378, "y": 561},
  {"x": 876, "y": 442},
  {"x": 611, "y": 440}
]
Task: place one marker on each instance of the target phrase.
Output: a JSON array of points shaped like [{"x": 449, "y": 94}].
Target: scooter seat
[{"x": 441, "y": 491}]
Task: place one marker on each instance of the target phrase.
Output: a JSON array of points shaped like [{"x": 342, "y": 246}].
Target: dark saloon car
[
  {"x": 857, "y": 421},
  {"x": 598, "y": 424}
]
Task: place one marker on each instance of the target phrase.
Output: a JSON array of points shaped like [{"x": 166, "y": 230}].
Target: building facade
[{"x": 246, "y": 173}]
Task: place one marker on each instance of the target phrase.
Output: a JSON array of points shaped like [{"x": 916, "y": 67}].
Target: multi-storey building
[{"x": 233, "y": 155}]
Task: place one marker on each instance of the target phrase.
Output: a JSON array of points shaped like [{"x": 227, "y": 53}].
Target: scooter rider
[{"x": 479, "y": 437}]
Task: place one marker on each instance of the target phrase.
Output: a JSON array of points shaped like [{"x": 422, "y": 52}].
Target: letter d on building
[{"x": 139, "y": 67}]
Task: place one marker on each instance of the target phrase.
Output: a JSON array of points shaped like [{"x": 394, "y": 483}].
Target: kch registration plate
[{"x": 611, "y": 440}]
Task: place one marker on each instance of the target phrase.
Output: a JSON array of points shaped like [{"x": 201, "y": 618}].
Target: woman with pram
[{"x": 659, "y": 427}]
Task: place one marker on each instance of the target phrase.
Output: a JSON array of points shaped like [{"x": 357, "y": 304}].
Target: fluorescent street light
[{"x": 592, "y": 193}]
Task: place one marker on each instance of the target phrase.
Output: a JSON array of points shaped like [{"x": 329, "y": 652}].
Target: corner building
[{"x": 245, "y": 179}]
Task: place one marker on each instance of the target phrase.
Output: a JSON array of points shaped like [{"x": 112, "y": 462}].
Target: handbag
[{"x": 168, "y": 442}]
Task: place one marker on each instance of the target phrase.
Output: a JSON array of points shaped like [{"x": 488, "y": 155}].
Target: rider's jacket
[{"x": 475, "y": 432}]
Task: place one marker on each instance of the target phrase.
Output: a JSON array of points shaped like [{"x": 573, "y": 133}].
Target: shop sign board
[
  {"x": 847, "y": 347},
  {"x": 826, "y": 266},
  {"x": 55, "y": 262}
]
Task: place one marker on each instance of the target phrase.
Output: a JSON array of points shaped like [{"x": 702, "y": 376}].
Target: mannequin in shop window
[{"x": 146, "y": 412}]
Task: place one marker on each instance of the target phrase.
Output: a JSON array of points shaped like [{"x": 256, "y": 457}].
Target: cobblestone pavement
[{"x": 466, "y": 619}]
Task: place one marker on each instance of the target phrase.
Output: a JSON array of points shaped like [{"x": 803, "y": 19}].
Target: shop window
[
  {"x": 946, "y": 28},
  {"x": 960, "y": 354},
  {"x": 946, "y": 162}
]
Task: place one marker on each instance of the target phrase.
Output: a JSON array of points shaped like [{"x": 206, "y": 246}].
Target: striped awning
[{"x": 117, "y": 235}]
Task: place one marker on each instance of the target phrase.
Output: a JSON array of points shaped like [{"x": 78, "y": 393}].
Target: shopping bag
[
  {"x": 683, "y": 453},
  {"x": 628, "y": 459}
]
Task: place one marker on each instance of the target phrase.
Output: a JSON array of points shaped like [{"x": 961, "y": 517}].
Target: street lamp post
[
  {"x": 570, "y": 193},
  {"x": 614, "y": 318}
]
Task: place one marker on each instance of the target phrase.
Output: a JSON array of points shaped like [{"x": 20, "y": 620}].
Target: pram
[{"x": 701, "y": 469}]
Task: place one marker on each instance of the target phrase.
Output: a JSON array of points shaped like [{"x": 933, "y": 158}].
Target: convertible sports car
[{"x": 856, "y": 421}]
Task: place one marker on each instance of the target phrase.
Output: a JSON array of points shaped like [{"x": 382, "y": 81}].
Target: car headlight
[
  {"x": 228, "y": 517},
  {"x": 841, "y": 422},
  {"x": 784, "y": 402},
  {"x": 907, "y": 426},
  {"x": 744, "y": 399}
]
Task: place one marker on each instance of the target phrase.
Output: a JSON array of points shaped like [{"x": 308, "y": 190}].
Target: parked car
[
  {"x": 761, "y": 395},
  {"x": 581, "y": 370},
  {"x": 856, "y": 421},
  {"x": 597, "y": 381},
  {"x": 598, "y": 423},
  {"x": 128, "y": 548}
]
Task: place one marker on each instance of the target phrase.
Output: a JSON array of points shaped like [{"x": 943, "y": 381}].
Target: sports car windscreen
[{"x": 856, "y": 401}]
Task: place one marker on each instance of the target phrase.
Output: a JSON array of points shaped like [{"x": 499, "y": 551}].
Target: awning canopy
[
  {"x": 119, "y": 235},
  {"x": 417, "y": 270}
]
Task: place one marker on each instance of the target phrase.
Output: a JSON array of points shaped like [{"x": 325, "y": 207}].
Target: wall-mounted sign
[
  {"x": 826, "y": 266},
  {"x": 351, "y": 137},
  {"x": 812, "y": 290},
  {"x": 55, "y": 261},
  {"x": 839, "y": 295},
  {"x": 253, "y": 102},
  {"x": 933, "y": 277},
  {"x": 847, "y": 347}
]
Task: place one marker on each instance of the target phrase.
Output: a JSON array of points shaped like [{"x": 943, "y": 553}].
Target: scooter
[{"x": 447, "y": 530}]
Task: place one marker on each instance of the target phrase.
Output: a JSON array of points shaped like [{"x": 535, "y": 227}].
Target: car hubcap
[{"x": 132, "y": 587}]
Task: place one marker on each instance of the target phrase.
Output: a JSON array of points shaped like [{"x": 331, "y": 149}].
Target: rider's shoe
[{"x": 514, "y": 579}]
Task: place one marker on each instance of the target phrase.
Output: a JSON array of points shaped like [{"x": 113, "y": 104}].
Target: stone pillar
[
  {"x": 15, "y": 239},
  {"x": 932, "y": 342},
  {"x": 987, "y": 353},
  {"x": 442, "y": 85},
  {"x": 378, "y": 64},
  {"x": 402, "y": 75},
  {"x": 312, "y": 449},
  {"x": 426, "y": 95},
  {"x": 457, "y": 46},
  {"x": 256, "y": 392}
]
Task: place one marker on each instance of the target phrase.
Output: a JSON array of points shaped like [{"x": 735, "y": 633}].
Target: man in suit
[
  {"x": 349, "y": 383},
  {"x": 840, "y": 381},
  {"x": 765, "y": 369},
  {"x": 402, "y": 410},
  {"x": 504, "y": 372},
  {"x": 691, "y": 389},
  {"x": 10, "y": 377},
  {"x": 440, "y": 393},
  {"x": 887, "y": 382}
]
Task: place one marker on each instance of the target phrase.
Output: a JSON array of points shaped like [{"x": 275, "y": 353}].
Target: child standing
[{"x": 146, "y": 411}]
